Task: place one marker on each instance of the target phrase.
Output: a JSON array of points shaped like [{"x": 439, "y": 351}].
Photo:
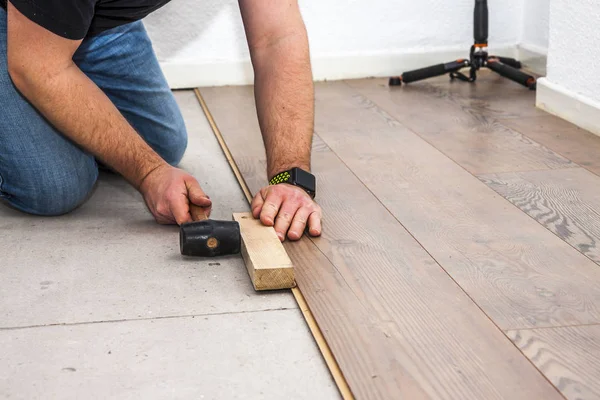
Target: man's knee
[
  {"x": 53, "y": 191},
  {"x": 175, "y": 140}
]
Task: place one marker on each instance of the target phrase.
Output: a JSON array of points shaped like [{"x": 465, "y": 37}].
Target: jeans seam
[{"x": 2, "y": 193}]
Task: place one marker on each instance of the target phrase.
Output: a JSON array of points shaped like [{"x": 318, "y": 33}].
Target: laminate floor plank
[
  {"x": 567, "y": 202},
  {"x": 519, "y": 273},
  {"x": 569, "y": 357},
  {"x": 397, "y": 324},
  {"x": 465, "y": 129},
  {"x": 572, "y": 142}
]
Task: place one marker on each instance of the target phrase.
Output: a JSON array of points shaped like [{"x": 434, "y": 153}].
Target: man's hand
[
  {"x": 289, "y": 209},
  {"x": 168, "y": 192},
  {"x": 41, "y": 66}
]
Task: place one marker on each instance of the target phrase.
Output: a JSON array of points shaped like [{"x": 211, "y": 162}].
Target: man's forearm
[
  {"x": 83, "y": 113},
  {"x": 285, "y": 101}
]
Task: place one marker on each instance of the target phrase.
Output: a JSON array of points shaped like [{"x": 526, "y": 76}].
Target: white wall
[
  {"x": 202, "y": 42},
  {"x": 574, "y": 60},
  {"x": 571, "y": 88},
  {"x": 534, "y": 28}
]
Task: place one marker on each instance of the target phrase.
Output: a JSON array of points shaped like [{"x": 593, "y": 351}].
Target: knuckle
[
  {"x": 286, "y": 216},
  {"x": 170, "y": 196},
  {"x": 162, "y": 209},
  {"x": 298, "y": 192},
  {"x": 301, "y": 220},
  {"x": 271, "y": 205},
  {"x": 297, "y": 198}
]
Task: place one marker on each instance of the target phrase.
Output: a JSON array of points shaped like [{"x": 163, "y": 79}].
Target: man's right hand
[
  {"x": 168, "y": 192},
  {"x": 40, "y": 64}
]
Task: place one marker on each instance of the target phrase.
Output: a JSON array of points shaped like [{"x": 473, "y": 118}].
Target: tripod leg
[
  {"x": 511, "y": 73},
  {"x": 511, "y": 62},
  {"x": 429, "y": 72},
  {"x": 480, "y": 25}
]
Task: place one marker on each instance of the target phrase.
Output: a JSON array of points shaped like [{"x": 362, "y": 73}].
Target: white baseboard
[
  {"x": 526, "y": 49},
  {"x": 190, "y": 74},
  {"x": 568, "y": 105}
]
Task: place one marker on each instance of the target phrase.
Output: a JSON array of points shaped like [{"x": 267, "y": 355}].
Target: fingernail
[{"x": 280, "y": 236}]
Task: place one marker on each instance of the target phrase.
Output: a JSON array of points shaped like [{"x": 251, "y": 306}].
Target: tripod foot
[
  {"x": 395, "y": 81},
  {"x": 511, "y": 73}
]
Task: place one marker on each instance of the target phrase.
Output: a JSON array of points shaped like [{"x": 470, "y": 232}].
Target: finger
[
  {"x": 257, "y": 204},
  {"x": 180, "y": 210},
  {"x": 314, "y": 224},
  {"x": 270, "y": 208},
  {"x": 196, "y": 194},
  {"x": 284, "y": 219},
  {"x": 299, "y": 223}
]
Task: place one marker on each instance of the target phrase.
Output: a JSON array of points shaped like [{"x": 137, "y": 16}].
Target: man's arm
[
  {"x": 285, "y": 104},
  {"x": 41, "y": 67}
]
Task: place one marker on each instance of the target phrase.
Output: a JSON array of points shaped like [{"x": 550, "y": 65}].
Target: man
[{"x": 79, "y": 83}]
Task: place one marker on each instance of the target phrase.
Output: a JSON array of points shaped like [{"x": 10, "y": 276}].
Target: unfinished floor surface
[
  {"x": 434, "y": 278},
  {"x": 100, "y": 304}
]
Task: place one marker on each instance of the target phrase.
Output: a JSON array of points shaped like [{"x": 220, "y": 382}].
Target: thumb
[{"x": 197, "y": 195}]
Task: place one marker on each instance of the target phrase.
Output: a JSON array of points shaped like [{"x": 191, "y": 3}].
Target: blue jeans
[{"x": 44, "y": 173}]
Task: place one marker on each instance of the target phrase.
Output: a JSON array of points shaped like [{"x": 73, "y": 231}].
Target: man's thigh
[
  {"x": 41, "y": 171},
  {"x": 122, "y": 63}
]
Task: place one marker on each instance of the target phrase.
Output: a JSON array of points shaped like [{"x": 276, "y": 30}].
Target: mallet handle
[{"x": 198, "y": 213}]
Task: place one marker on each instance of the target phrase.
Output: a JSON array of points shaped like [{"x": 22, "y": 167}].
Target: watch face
[{"x": 305, "y": 180}]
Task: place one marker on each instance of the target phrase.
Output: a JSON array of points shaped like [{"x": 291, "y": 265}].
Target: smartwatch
[{"x": 297, "y": 177}]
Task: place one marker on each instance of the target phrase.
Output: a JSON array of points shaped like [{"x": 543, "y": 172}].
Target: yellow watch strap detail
[{"x": 280, "y": 178}]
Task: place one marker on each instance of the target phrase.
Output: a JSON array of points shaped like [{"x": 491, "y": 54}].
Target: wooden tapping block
[{"x": 267, "y": 262}]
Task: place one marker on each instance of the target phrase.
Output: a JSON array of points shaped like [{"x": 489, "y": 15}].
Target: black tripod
[{"x": 478, "y": 58}]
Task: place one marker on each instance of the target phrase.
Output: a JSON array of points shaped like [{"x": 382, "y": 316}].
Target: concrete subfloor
[{"x": 100, "y": 304}]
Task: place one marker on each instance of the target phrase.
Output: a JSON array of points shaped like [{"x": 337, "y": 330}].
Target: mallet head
[{"x": 209, "y": 238}]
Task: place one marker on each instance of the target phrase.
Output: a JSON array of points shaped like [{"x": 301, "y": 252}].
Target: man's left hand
[{"x": 289, "y": 208}]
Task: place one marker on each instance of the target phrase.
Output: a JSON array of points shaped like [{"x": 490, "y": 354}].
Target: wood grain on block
[
  {"x": 266, "y": 260},
  {"x": 567, "y": 202},
  {"x": 518, "y": 272},
  {"x": 569, "y": 357},
  {"x": 398, "y": 325},
  {"x": 466, "y": 131},
  {"x": 574, "y": 143}
]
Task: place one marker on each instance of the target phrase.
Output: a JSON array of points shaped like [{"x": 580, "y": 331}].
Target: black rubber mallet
[{"x": 209, "y": 238}]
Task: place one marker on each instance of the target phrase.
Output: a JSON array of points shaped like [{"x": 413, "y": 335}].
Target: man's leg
[
  {"x": 122, "y": 63},
  {"x": 41, "y": 172}
]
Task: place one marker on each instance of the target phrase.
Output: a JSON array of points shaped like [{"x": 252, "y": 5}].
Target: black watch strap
[{"x": 297, "y": 177}]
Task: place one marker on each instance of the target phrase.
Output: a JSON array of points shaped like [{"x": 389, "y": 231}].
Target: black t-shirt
[{"x": 76, "y": 19}]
